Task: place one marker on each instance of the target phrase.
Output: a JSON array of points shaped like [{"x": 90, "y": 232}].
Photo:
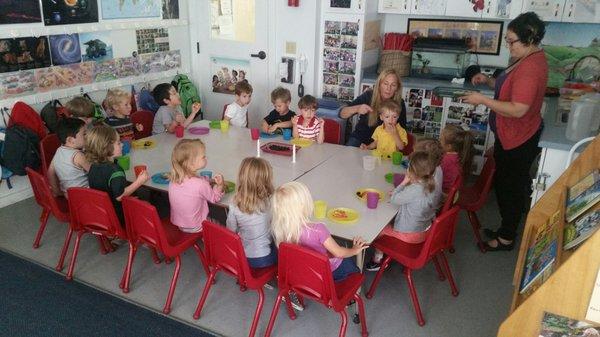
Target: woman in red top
[{"x": 516, "y": 122}]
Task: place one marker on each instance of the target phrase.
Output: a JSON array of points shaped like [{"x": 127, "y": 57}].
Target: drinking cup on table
[
  {"x": 179, "y": 131},
  {"x": 254, "y": 133},
  {"x": 372, "y": 199},
  {"x": 124, "y": 162},
  {"x": 397, "y": 158},
  {"x": 138, "y": 169},
  {"x": 398, "y": 178},
  {"x": 224, "y": 126},
  {"x": 369, "y": 163},
  {"x": 126, "y": 148},
  {"x": 320, "y": 209},
  {"x": 207, "y": 174},
  {"x": 287, "y": 134}
]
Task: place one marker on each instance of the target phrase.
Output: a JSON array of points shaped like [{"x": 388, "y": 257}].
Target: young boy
[
  {"x": 82, "y": 108},
  {"x": 237, "y": 112},
  {"x": 69, "y": 167},
  {"x": 389, "y": 136},
  {"x": 118, "y": 102},
  {"x": 168, "y": 116},
  {"x": 280, "y": 117}
]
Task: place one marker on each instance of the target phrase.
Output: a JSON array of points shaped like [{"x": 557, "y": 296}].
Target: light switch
[{"x": 290, "y": 47}]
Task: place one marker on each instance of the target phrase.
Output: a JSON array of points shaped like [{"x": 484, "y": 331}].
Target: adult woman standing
[
  {"x": 386, "y": 87},
  {"x": 516, "y": 121}
]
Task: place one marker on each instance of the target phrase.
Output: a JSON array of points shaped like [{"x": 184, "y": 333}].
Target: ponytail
[
  {"x": 422, "y": 167},
  {"x": 460, "y": 141}
]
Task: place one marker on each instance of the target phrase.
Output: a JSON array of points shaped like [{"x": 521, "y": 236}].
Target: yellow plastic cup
[
  {"x": 224, "y": 126},
  {"x": 320, "y": 209}
]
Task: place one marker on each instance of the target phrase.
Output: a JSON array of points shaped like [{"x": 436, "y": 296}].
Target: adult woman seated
[{"x": 386, "y": 87}]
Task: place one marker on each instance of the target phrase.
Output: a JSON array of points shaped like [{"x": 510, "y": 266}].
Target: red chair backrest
[
  {"x": 409, "y": 148},
  {"x": 440, "y": 235},
  {"x": 452, "y": 195},
  {"x": 93, "y": 210},
  {"x": 306, "y": 272},
  {"x": 48, "y": 147},
  {"x": 483, "y": 184},
  {"x": 224, "y": 249},
  {"x": 333, "y": 131},
  {"x": 24, "y": 115},
  {"x": 43, "y": 196},
  {"x": 146, "y": 118}
]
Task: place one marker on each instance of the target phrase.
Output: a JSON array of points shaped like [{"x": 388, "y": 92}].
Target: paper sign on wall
[{"x": 593, "y": 312}]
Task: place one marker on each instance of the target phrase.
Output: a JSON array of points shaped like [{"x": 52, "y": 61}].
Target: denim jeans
[
  {"x": 263, "y": 261},
  {"x": 346, "y": 268}
]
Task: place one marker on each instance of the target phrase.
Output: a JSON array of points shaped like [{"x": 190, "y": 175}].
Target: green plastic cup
[
  {"x": 397, "y": 158},
  {"x": 124, "y": 162}
]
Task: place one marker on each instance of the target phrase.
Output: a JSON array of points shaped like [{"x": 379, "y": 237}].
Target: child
[
  {"x": 82, "y": 108},
  {"x": 237, "y": 112},
  {"x": 168, "y": 116},
  {"x": 389, "y": 136},
  {"x": 417, "y": 199},
  {"x": 292, "y": 206},
  {"x": 102, "y": 146},
  {"x": 280, "y": 117},
  {"x": 118, "y": 103},
  {"x": 307, "y": 125},
  {"x": 249, "y": 213},
  {"x": 69, "y": 167},
  {"x": 189, "y": 194},
  {"x": 433, "y": 147},
  {"x": 457, "y": 144}
]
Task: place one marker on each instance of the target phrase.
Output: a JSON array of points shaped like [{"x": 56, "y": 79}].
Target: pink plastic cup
[
  {"x": 398, "y": 178},
  {"x": 179, "y": 131},
  {"x": 372, "y": 199},
  {"x": 254, "y": 133}
]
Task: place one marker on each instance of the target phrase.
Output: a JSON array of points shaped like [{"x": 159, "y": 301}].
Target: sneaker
[
  {"x": 373, "y": 266},
  {"x": 295, "y": 302}
]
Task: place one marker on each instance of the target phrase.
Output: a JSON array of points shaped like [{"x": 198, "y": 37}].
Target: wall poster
[
  {"x": 227, "y": 72},
  {"x": 339, "y": 59}
]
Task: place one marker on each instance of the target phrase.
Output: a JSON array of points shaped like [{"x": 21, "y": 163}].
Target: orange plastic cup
[{"x": 138, "y": 169}]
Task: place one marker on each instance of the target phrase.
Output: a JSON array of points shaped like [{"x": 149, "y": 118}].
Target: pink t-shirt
[
  {"x": 450, "y": 169},
  {"x": 189, "y": 202},
  {"x": 313, "y": 236}
]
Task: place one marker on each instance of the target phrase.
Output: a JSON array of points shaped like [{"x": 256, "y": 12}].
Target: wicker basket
[{"x": 397, "y": 60}]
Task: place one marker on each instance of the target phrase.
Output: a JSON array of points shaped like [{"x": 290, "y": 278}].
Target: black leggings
[{"x": 513, "y": 183}]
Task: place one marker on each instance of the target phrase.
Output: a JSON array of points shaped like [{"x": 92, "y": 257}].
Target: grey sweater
[
  {"x": 417, "y": 208},
  {"x": 254, "y": 230}
]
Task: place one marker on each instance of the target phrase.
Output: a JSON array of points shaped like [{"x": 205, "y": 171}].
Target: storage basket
[{"x": 395, "y": 59}]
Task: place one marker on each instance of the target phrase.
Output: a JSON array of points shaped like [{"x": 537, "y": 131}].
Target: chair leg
[
  {"x": 449, "y": 274},
  {"x": 43, "y": 221},
  {"x": 413, "y": 296},
  {"x": 74, "y": 256},
  {"x": 274, "y": 313},
  {"x": 474, "y": 220},
  {"x": 363, "y": 317},
  {"x": 202, "y": 300},
  {"x": 167, "y": 308},
  {"x": 288, "y": 306},
  {"x": 344, "y": 323},
  {"x": 259, "y": 306},
  {"x": 384, "y": 264},
  {"x": 103, "y": 250},
  {"x": 155, "y": 257},
  {"x": 202, "y": 258},
  {"x": 440, "y": 273},
  {"x": 64, "y": 250},
  {"x": 127, "y": 273}
]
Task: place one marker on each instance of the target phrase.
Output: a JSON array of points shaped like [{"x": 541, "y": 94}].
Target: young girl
[
  {"x": 189, "y": 194},
  {"x": 118, "y": 103},
  {"x": 292, "y": 206},
  {"x": 457, "y": 144},
  {"x": 389, "y": 136},
  {"x": 417, "y": 199},
  {"x": 307, "y": 125},
  {"x": 433, "y": 147},
  {"x": 102, "y": 146},
  {"x": 249, "y": 213}
]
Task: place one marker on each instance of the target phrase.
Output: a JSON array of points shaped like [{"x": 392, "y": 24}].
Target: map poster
[
  {"x": 69, "y": 12},
  {"x": 126, "y": 9}
]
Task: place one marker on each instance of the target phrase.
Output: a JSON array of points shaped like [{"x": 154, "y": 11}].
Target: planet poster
[
  {"x": 65, "y": 49},
  {"x": 20, "y": 11},
  {"x": 126, "y": 9},
  {"x": 66, "y": 12}
]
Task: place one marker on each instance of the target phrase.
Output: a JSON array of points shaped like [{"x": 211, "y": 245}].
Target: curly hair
[{"x": 116, "y": 96}]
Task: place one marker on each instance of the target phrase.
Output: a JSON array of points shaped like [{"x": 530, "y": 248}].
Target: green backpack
[{"x": 188, "y": 93}]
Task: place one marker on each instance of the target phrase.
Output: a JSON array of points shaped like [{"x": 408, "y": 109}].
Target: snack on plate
[{"x": 340, "y": 214}]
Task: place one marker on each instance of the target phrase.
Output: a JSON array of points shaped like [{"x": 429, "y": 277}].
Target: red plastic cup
[
  {"x": 254, "y": 133},
  {"x": 138, "y": 169},
  {"x": 179, "y": 131},
  {"x": 372, "y": 199},
  {"x": 398, "y": 178}
]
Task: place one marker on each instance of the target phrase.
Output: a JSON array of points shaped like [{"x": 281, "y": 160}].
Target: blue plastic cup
[
  {"x": 126, "y": 148},
  {"x": 207, "y": 174},
  {"x": 287, "y": 134}
]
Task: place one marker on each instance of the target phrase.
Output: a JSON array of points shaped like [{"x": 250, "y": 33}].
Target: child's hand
[
  {"x": 219, "y": 180},
  {"x": 139, "y": 127},
  {"x": 359, "y": 244},
  {"x": 272, "y": 128},
  {"x": 179, "y": 118},
  {"x": 364, "y": 146},
  {"x": 196, "y": 106},
  {"x": 295, "y": 120},
  {"x": 390, "y": 128},
  {"x": 143, "y": 177}
]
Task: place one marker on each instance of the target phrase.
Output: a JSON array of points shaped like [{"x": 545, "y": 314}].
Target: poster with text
[
  {"x": 339, "y": 59},
  {"x": 152, "y": 40},
  {"x": 125, "y": 9},
  {"x": 227, "y": 72},
  {"x": 20, "y": 11},
  {"x": 67, "y": 12}
]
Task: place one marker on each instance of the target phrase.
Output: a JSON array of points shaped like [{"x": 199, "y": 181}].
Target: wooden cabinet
[
  {"x": 582, "y": 11},
  {"x": 428, "y": 7},
  {"x": 548, "y": 10}
]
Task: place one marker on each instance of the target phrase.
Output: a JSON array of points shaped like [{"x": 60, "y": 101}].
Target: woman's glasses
[{"x": 510, "y": 42}]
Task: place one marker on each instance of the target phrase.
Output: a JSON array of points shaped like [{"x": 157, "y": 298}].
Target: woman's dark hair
[{"x": 529, "y": 28}]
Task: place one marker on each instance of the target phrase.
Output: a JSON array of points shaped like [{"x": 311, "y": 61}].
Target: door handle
[{"x": 261, "y": 55}]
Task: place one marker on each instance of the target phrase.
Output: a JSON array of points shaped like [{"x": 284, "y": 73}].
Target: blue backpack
[{"x": 146, "y": 101}]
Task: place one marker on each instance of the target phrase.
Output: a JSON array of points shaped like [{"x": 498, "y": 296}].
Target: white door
[{"x": 230, "y": 43}]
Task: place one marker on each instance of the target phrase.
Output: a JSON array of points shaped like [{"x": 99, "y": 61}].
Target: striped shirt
[{"x": 308, "y": 131}]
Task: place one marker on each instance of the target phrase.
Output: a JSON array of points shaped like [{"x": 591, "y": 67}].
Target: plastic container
[{"x": 584, "y": 119}]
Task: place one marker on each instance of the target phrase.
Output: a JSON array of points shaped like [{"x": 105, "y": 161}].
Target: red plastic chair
[
  {"x": 308, "y": 274},
  {"x": 472, "y": 198},
  {"x": 333, "y": 131},
  {"x": 409, "y": 148},
  {"x": 48, "y": 147},
  {"x": 92, "y": 212},
  {"x": 146, "y": 118},
  {"x": 415, "y": 256},
  {"x": 451, "y": 200},
  {"x": 145, "y": 227},
  {"x": 224, "y": 252}
]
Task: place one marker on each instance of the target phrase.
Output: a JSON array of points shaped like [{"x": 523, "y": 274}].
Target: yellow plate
[
  {"x": 302, "y": 142},
  {"x": 377, "y": 153},
  {"x": 143, "y": 144},
  {"x": 361, "y": 193},
  {"x": 343, "y": 215}
]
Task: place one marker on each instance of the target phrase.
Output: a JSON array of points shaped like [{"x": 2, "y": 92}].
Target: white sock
[{"x": 377, "y": 256}]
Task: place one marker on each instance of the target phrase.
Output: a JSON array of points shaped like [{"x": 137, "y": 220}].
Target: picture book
[
  {"x": 577, "y": 232},
  {"x": 583, "y": 195},
  {"x": 556, "y": 325},
  {"x": 583, "y": 184},
  {"x": 593, "y": 312}
]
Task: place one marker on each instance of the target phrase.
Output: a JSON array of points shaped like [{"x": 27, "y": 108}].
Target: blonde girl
[
  {"x": 458, "y": 153},
  {"x": 249, "y": 213},
  {"x": 417, "y": 198},
  {"x": 189, "y": 194},
  {"x": 102, "y": 146},
  {"x": 118, "y": 103},
  {"x": 292, "y": 206}
]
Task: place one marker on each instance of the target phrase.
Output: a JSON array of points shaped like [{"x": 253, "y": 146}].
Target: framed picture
[{"x": 483, "y": 37}]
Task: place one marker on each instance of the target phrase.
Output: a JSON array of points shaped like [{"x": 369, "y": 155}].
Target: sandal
[{"x": 500, "y": 246}]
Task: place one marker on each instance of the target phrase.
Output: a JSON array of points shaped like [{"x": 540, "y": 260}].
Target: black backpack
[
  {"x": 20, "y": 150},
  {"x": 50, "y": 114}
]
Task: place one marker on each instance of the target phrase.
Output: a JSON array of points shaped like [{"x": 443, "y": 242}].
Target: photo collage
[
  {"x": 339, "y": 60},
  {"x": 424, "y": 112}
]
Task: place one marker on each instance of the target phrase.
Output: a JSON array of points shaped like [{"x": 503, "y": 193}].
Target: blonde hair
[
  {"x": 116, "y": 96},
  {"x": 99, "y": 143},
  {"x": 291, "y": 208},
  {"x": 184, "y": 154},
  {"x": 461, "y": 142},
  {"x": 421, "y": 167},
  {"x": 376, "y": 99},
  {"x": 255, "y": 185},
  {"x": 389, "y": 105},
  {"x": 433, "y": 147},
  {"x": 282, "y": 94},
  {"x": 80, "y": 107}
]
